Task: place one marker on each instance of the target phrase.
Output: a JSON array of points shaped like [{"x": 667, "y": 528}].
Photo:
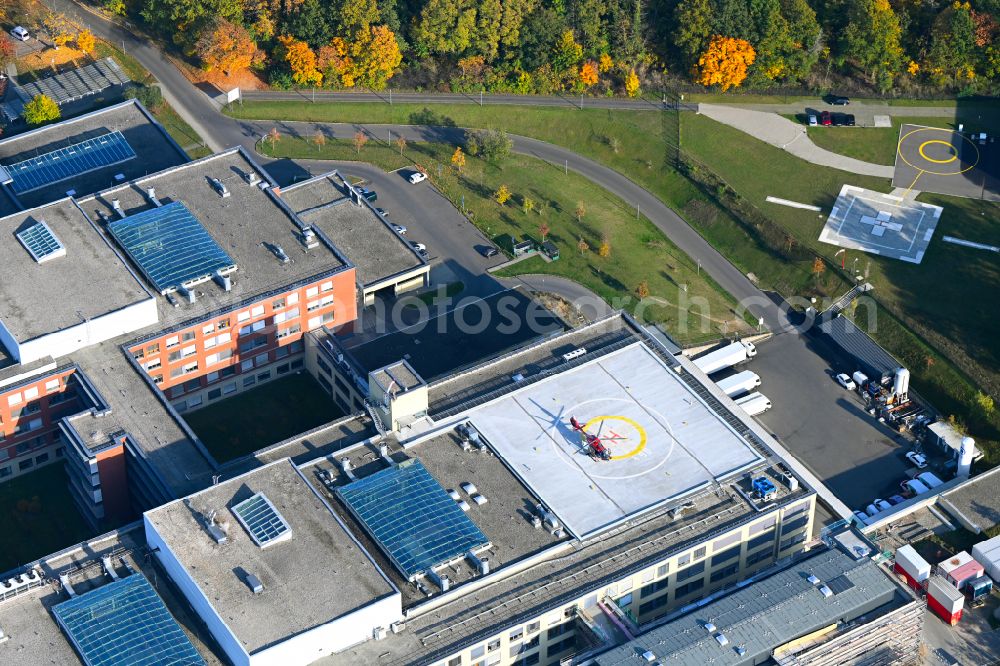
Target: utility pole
[
  {"x": 566, "y": 167},
  {"x": 480, "y": 97}
]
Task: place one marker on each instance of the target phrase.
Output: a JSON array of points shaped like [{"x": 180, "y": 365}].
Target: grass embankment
[
  {"x": 638, "y": 250},
  {"x": 38, "y": 516},
  {"x": 287, "y": 406}
]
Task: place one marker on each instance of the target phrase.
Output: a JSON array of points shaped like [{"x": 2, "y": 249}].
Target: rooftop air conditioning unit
[
  {"x": 254, "y": 584},
  {"x": 397, "y": 626},
  {"x": 378, "y": 633},
  {"x": 219, "y": 187}
]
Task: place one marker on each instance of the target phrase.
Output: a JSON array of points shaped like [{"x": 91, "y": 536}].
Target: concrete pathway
[
  {"x": 589, "y": 304},
  {"x": 790, "y": 137}
]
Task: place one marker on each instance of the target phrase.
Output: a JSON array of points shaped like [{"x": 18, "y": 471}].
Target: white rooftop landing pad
[{"x": 664, "y": 441}]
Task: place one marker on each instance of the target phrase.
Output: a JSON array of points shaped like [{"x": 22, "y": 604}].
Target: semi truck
[
  {"x": 740, "y": 383},
  {"x": 754, "y": 404},
  {"x": 725, "y": 357}
]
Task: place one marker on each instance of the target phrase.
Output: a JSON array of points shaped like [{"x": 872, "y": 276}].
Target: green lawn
[
  {"x": 283, "y": 408},
  {"x": 38, "y": 516},
  {"x": 639, "y": 251}
]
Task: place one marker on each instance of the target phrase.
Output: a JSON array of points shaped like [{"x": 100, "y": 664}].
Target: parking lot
[{"x": 824, "y": 425}]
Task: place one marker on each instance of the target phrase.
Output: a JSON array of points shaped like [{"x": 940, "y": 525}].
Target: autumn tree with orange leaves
[
  {"x": 588, "y": 73},
  {"x": 301, "y": 59},
  {"x": 226, "y": 46},
  {"x": 725, "y": 62}
]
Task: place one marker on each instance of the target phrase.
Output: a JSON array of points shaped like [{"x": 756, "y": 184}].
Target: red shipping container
[
  {"x": 946, "y": 601},
  {"x": 910, "y": 580}
]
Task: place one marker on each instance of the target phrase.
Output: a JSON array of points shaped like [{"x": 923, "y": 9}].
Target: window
[
  {"x": 192, "y": 385},
  {"x": 249, "y": 381},
  {"x": 278, "y": 304},
  {"x": 312, "y": 305},
  {"x": 190, "y": 367},
  {"x": 700, "y": 552},
  {"x": 27, "y": 410},
  {"x": 493, "y": 645},
  {"x": 530, "y": 660},
  {"x": 283, "y": 369},
  {"x": 293, "y": 298},
  {"x": 683, "y": 560},
  {"x": 719, "y": 544},
  {"x": 209, "y": 343},
  {"x": 215, "y": 394},
  {"x": 243, "y": 316},
  {"x": 211, "y": 377},
  {"x": 284, "y": 333},
  {"x": 247, "y": 364},
  {"x": 173, "y": 356},
  {"x": 756, "y": 558},
  {"x": 788, "y": 543},
  {"x": 533, "y": 627},
  {"x": 793, "y": 525},
  {"x": 173, "y": 341},
  {"x": 4, "y": 471},
  {"x": 257, "y": 311},
  {"x": 194, "y": 401},
  {"x": 653, "y": 588},
  {"x": 648, "y": 575},
  {"x": 229, "y": 388},
  {"x": 208, "y": 329},
  {"x": 221, "y": 324},
  {"x": 139, "y": 353},
  {"x": 264, "y": 376},
  {"x": 770, "y": 521},
  {"x": 153, "y": 348},
  {"x": 44, "y": 458},
  {"x": 157, "y": 379},
  {"x": 312, "y": 291},
  {"x": 190, "y": 350},
  {"x": 688, "y": 588},
  {"x": 25, "y": 464},
  {"x": 559, "y": 630},
  {"x": 52, "y": 385},
  {"x": 326, "y": 286},
  {"x": 722, "y": 574},
  {"x": 455, "y": 661},
  {"x": 280, "y": 352},
  {"x": 188, "y": 336},
  {"x": 228, "y": 371},
  {"x": 14, "y": 399},
  {"x": 692, "y": 571},
  {"x": 260, "y": 360},
  {"x": 154, "y": 364},
  {"x": 323, "y": 366},
  {"x": 653, "y": 605},
  {"x": 759, "y": 541},
  {"x": 477, "y": 651},
  {"x": 663, "y": 569},
  {"x": 517, "y": 634},
  {"x": 725, "y": 556},
  {"x": 561, "y": 646}
]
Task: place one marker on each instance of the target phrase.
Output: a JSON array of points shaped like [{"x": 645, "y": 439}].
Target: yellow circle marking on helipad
[
  {"x": 624, "y": 419},
  {"x": 954, "y": 153},
  {"x": 923, "y": 169}
]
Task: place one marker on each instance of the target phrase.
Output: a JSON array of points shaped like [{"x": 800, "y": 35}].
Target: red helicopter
[{"x": 595, "y": 447}]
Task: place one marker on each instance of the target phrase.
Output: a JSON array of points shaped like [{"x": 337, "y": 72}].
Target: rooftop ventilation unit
[
  {"x": 576, "y": 353},
  {"x": 464, "y": 505},
  {"x": 117, "y": 205},
  {"x": 347, "y": 468},
  {"x": 649, "y": 656},
  {"x": 188, "y": 293},
  {"x": 219, "y": 187},
  {"x": 479, "y": 499},
  {"x": 441, "y": 581},
  {"x": 482, "y": 564},
  {"x": 254, "y": 584},
  {"x": 378, "y": 633},
  {"x": 64, "y": 581},
  {"x": 279, "y": 252},
  {"x": 709, "y": 627},
  {"x": 223, "y": 280},
  {"x": 151, "y": 194},
  {"x": 250, "y": 177},
  {"x": 741, "y": 650},
  {"x": 309, "y": 239},
  {"x": 109, "y": 568},
  {"x": 813, "y": 579},
  {"x": 721, "y": 638},
  {"x": 825, "y": 591},
  {"x": 218, "y": 534},
  {"x": 469, "y": 488},
  {"x": 397, "y": 627}
]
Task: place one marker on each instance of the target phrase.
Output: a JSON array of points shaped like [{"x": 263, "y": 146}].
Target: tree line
[{"x": 596, "y": 46}]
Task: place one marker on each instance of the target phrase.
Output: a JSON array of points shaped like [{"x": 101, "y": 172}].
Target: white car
[
  {"x": 813, "y": 122},
  {"x": 400, "y": 229},
  {"x": 417, "y": 177},
  {"x": 20, "y": 33},
  {"x": 846, "y": 382},
  {"x": 918, "y": 460},
  {"x": 419, "y": 247}
]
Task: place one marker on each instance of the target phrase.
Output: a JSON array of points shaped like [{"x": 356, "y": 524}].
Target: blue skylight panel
[
  {"x": 262, "y": 520},
  {"x": 171, "y": 247},
  {"x": 412, "y": 517},
  {"x": 40, "y": 241},
  {"x": 125, "y": 623},
  {"x": 63, "y": 163}
]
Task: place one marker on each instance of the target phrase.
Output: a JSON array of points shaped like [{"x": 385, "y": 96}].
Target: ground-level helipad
[
  {"x": 881, "y": 224},
  {"x": 664, "y": 441},
  {"x": 933, "y": 159}
]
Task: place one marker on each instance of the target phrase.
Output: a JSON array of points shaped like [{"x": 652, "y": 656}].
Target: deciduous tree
[
  {"x": 872, "y": 38},
  {"x": 588, "y": 73},
  {"x": 543, "y": 231},
  {"x": 605, "y": 63},
  {"x": 227, "y": 47},
  {"x": 41, "y": 109},
  {"x": 301, "y": 60},
  {"x": 502, "y": 195},
  {"x": 527, "y": 205},
  {"x": 401, "y": 144},
  {"x": 583, "y": 246},
  {"x": 693, "y": 29},
  {"x": 85, "y": 41},
  {"x": 360, "y": 139},
  {"x": 274, "y": 136},
  {"x": 376, "y": 55},
  {"x": 631, "y": 83},
  {"x": 566, "y": 52},
  {"x": 580, "y": 211},
  {"x": 320, "y": 140},
  {"x": 7, "y": 51},
  {"x": 604, "y": 250},
  {"x": 725, "y": 62},
  {"x": 642, "y": 290},
  {"x": 458, "y": 159}
]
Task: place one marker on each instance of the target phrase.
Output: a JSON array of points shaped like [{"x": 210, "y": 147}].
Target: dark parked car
[
  {"x": 840, "y": 101},
  {"x": 367, "y": 194},
  {"x": 839, "y": 120},
  {"x": 488, "y": 251},
  {"x": 850, "y": 120},
  {"x": 825, "y": 118}
]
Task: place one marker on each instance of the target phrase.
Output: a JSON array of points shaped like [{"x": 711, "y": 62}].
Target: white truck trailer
[
  {"x": 740, "y": 383},
  {"x": 725, "y": 357},
  {"x": 754, "y": 404}
]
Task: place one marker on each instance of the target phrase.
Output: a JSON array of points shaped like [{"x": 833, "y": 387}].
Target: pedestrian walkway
[{"x": 790, "y": 137}]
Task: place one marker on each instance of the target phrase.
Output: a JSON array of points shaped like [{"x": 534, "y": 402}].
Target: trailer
[
  {"x": 740, "y": 383},
  {"x": 929, "y": 479},
  {"x": 725, "y": 357},
  {"x": 987, "y": 553},
  {"x": 914, "y": 487},
  {"x": 945, "y": 600},
  {"x": 960, "y": 569},
  {"x": 915, "y": 569},
  {"x": 754, "y": 404},
  {"x": 977, "y": 591}
]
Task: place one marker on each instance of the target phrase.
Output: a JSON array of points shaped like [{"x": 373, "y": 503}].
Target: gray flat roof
[
  {"x": 154, "y": 149},
  {"x": 363, "y": 235},
  {"x": 767, "y": 614},
  {"x": 663, "y": 439},
  {"x": 978, "y": 500},
  {"x": 90, "y": 281},
  {"x": 317, "y": 575},
  {"x": 246, "y": 224}
]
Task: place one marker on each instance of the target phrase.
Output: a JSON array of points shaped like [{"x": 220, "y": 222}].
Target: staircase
[
  {"x": 845, "y": 300},
  {"x": 376, "y": 419}
]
